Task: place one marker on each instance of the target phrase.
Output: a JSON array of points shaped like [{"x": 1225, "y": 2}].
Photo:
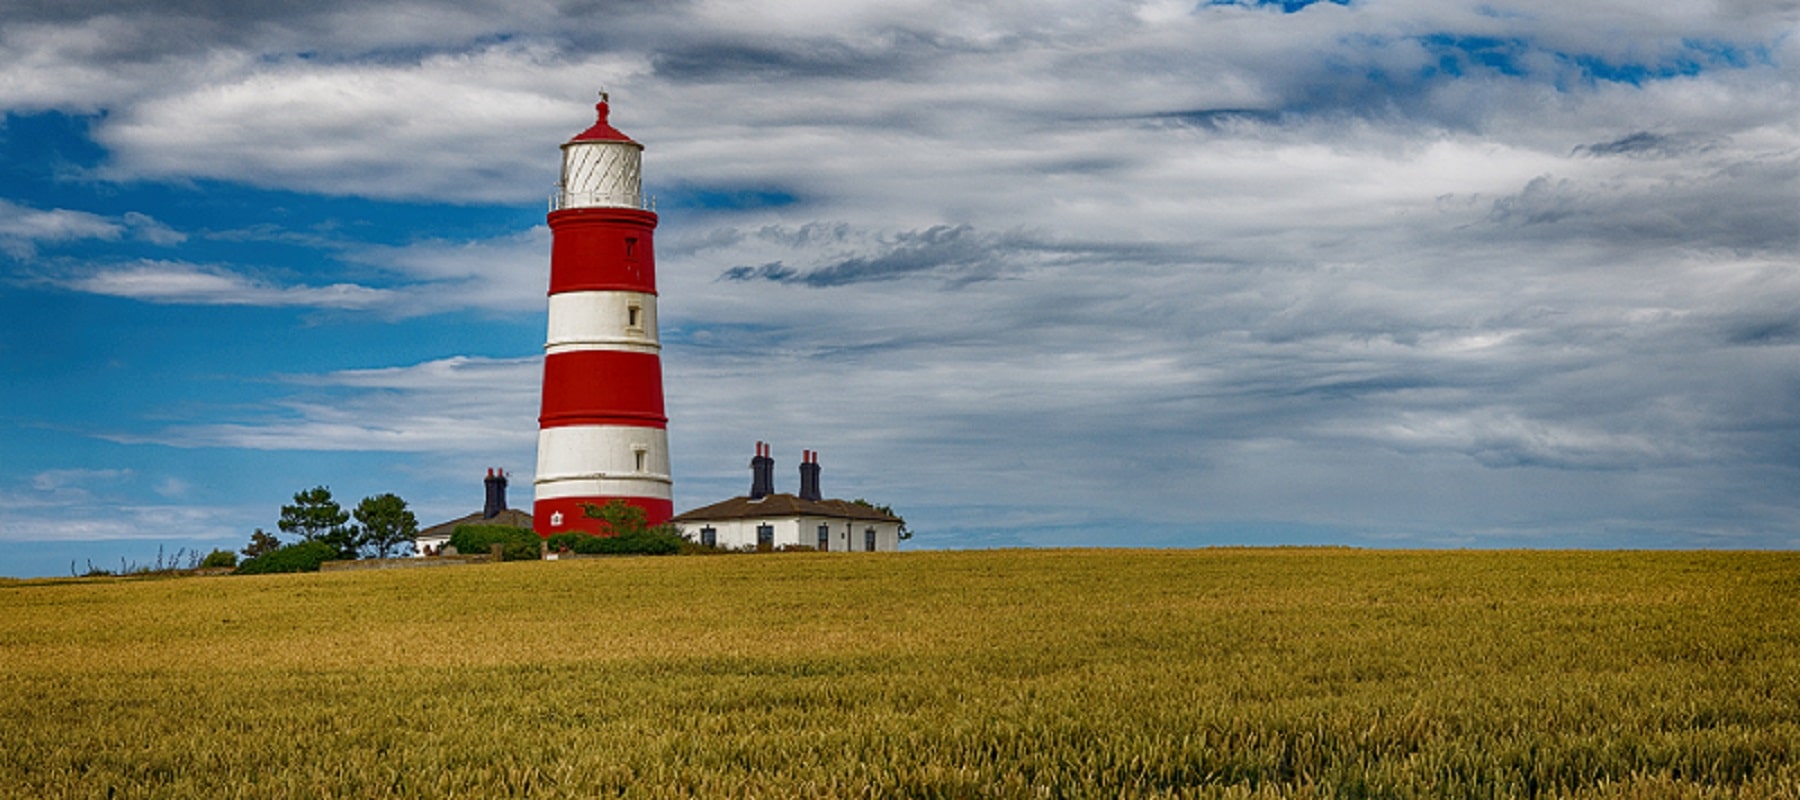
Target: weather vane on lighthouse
[{"x": 602, "y": 432}]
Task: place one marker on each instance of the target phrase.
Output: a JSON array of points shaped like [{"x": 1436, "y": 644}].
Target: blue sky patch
[
  {"x": 1594, "y": 69},
  {"x": 705, "y": 198},
  {"x": 1459, "y": 55}
]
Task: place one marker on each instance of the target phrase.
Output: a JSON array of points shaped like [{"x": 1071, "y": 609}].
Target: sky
[{"x": 1377, "y": 273}]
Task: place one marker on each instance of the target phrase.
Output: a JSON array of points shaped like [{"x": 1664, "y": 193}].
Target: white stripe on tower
[{"x": 602, "y": 434}]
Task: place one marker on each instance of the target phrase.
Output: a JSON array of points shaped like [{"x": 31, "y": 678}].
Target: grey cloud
[
  {"x": 1219, "y": 119},
  {"x": 1769, "y": 330},
  {"x": 942, "y": 249},
  {"x": 952, "y": 254},
  {"x": 798, "y": 59},
  {"x": 1747, "y": 204},
  {"x": 956, "y": 252},
  {"x": 1645, "y": 144},
  {"x": 772, "y": 271},
  {"x": 809, "y": 234},
  {"x": 1543, "y": 200}
]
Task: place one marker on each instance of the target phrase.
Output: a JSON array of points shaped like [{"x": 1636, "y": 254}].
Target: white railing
[{"x": 560, "y": 200}]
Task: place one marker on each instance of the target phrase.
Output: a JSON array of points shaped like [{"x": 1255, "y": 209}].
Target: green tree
[
  {"x": 619, "y": 518},
  {"x": 888, "y": 510},
  {"x": 315, "y": 517},
  {"x": 385, "y": 523},
  {"x": 261, "y": 543},
  {"x": 347, "y": 539}
]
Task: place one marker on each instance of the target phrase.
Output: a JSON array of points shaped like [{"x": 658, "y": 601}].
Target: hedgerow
[
  {"x": 654, "y": 541},
  {"x": 521, "y": 544}
]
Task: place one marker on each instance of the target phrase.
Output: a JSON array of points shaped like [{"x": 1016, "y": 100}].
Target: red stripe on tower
[{"x": 601, "y": 431}]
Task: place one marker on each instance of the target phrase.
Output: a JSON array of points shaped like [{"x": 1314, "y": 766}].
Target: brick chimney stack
[
  {"x": 496, "y": 493},
  {"x": 762, "y": 473},
  {"x": 809, "y": 476}
]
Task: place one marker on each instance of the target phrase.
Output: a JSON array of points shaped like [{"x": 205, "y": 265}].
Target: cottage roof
[
  {"x": 783, "y": 505},
  {"x": 511, "y": 516}
]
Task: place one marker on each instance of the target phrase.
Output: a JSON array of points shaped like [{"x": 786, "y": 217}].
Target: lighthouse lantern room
[{"x": 602, "y": 433}]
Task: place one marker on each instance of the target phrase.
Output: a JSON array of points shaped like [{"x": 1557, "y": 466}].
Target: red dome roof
[{"x": 601, "y": 131}]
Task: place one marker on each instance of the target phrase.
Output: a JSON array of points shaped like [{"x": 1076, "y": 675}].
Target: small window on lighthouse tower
[
  {"x": 640, "y": 461},
  {"x": 634, "y": 317},
  {"x": 630, "y": 247}
]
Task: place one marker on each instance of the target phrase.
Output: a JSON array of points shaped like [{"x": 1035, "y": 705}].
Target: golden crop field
[{"x": 1060, "y": 673}]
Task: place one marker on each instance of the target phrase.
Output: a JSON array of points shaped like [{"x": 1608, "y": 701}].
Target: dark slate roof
[
  {"x": 510, "y": 516},
  {"x": 783, "y": 505}
]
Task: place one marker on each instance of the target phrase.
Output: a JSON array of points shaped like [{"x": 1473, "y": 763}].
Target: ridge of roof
[{"x": 782, "y": 504}]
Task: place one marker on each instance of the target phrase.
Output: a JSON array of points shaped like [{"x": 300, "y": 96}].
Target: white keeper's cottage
[{"x": 770, "y": 520}]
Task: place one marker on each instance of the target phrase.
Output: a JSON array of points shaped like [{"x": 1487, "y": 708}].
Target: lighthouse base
[{"x": 565, "y": 514}]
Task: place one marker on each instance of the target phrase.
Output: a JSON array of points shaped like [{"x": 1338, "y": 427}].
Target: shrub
[
  {"x": 521, "y": 544},
  {"x": 689, "y": 547},
  {"x": 219, "y": 558},
  {"x": 590, "y": 544},
  {"x": 297, "y": 557},
  {"x": 568, "y": 540},
  {"x": 659, "y": 541}
]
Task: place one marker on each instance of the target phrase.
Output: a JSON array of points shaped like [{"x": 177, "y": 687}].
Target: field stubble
[{"x": 1217, "y": 673}]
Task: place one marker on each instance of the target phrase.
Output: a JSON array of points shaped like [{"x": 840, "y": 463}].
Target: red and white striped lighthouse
[{"x": 602, "y": 434}]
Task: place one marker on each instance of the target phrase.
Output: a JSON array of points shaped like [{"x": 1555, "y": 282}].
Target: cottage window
[
  {"x": 869, "y": 540},
  {"x": 709, "y": 536},
  {"x": 765, "y": 537},
  {"x": 824, "y": 537}
]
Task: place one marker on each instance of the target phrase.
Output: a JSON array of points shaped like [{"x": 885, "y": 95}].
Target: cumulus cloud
[
  {"x": 88, "y": 504},
  {"x": 112, "y": 521},
  {"x": 504, "y": 274},
  {"x": 190, "y": 284},
  {"x": 23, "y": 228},
  {"x": 442, "y": 110},
  {"x": 73, "y": 482},
  {"x": 454, "y": 405},
  {"x": 421, "y": 131},
  {"x": 146, "y": 228}
]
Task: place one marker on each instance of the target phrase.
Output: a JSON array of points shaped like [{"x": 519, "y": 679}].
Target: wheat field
[{"x": 1037, "y": 673}]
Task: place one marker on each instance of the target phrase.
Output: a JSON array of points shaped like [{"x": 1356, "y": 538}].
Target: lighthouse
[{"x": 602, "y": 433}]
